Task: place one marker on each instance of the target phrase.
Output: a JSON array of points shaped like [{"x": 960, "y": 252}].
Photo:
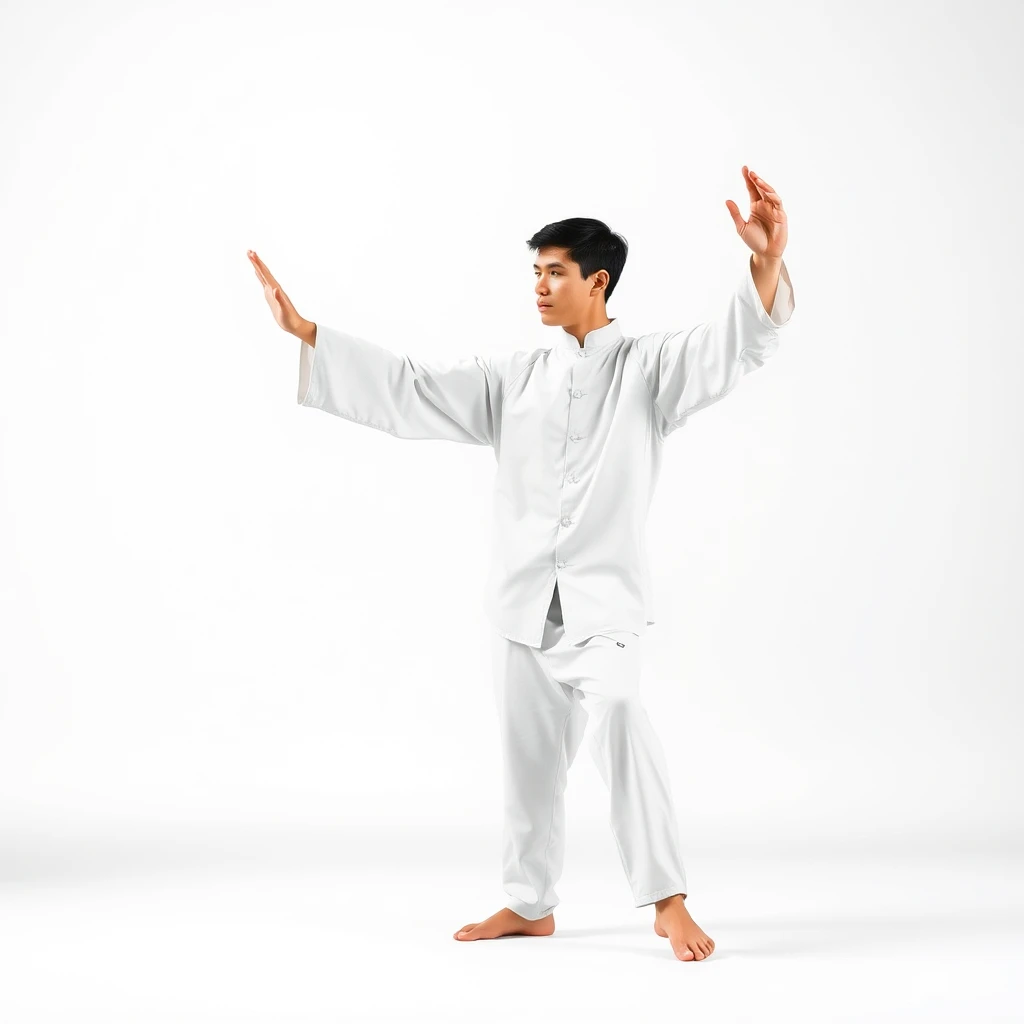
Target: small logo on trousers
[{"x": 620, "y": 643}]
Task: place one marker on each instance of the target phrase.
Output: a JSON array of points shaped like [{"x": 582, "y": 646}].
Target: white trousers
[{"x": 545, "y": 698}]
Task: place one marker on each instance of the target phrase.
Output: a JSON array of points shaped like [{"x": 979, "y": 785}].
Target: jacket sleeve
[
  {"x": 686, "y": 371},
  {"x": 450, "y": 400}
]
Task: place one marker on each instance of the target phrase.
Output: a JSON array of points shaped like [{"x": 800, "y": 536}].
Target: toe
[
  {"x": 687, "y": 954},
  {"x": 698, "y": 952}
]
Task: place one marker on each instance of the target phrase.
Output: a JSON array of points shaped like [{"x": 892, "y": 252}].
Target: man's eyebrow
[{"x": 554, "y": 263}]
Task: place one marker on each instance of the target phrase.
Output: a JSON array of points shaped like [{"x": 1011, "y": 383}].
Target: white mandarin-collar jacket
[{"x": 578, "y": 435}]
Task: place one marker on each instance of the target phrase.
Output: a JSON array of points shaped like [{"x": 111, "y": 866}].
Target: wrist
[{"x": 306, "y": 332}]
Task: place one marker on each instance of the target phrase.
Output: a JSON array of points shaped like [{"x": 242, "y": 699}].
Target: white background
[{"x": 237, "y": 636}]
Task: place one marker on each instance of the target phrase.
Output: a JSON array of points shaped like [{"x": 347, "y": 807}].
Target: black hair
[{"x": 590, "y": 243}]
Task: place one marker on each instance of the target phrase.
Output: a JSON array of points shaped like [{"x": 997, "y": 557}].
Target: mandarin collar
[{"x": 597, "y": 340}]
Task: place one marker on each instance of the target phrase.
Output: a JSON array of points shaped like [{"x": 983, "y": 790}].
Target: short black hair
[{"x": 590, "y": 243}]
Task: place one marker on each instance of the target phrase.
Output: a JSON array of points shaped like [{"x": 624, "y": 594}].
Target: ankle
[{"x": 677, "y": 900}]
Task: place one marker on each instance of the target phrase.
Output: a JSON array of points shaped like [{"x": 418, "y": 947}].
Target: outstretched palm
[
  {"x": 281, "y": 306},
  {"x": 766, "y": 231}
]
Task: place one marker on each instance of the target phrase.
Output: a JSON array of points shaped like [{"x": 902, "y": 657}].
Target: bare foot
[
  {"x": 672, "y": 921},
  {"x": 505, "y": 922}
]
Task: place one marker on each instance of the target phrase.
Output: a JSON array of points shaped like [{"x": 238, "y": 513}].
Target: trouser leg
[
  {"x": 541, "y": 724},
  {"x": 631, "y": 761}
]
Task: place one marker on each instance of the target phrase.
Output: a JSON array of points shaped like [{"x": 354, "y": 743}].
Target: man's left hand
[{"x": 766, "y": 231}]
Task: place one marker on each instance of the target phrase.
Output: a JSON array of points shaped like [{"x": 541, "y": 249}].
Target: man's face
[{"x": 559, "y": 285}]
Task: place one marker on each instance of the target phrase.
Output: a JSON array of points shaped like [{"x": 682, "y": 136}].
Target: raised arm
[
  {"x": 450, "y": 400},
  {"x": 688, "y": 370},
  {"x": 691, "y": 369}
]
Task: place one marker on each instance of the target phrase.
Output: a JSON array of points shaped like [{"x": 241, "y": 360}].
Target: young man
[{"x": 578, "y": 431}]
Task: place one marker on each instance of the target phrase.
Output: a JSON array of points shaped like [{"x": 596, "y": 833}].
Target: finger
[
  {"x": 268, "y": 277},
  {"x": 275, "y": 290},
  {"x": 261, "y": 268},
  {"x": 752, "y": 191},
  {"x": 256, "y": 269},
  {"x": 756, "y": 182},
  {"x": 767, "y": 191},
  {"x": 734, "y": 212}
]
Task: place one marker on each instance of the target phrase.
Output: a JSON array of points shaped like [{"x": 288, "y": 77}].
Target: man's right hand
[{"x": 280, "y": 305}]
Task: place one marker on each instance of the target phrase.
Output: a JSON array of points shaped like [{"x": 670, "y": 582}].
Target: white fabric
[
  {"x": 545, "y": 698},
  {"x": 578, "y": 435}
]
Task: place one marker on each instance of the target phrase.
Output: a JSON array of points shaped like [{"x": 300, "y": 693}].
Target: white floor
[{"x": 305, "y": 927}]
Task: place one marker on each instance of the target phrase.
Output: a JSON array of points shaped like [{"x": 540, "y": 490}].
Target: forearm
[{"x": 766, "y": 278}]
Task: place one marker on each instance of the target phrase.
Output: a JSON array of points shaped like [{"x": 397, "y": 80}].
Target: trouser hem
[
  {"x": 528, "y": 910},
  {"x": 653, "y": 897}
]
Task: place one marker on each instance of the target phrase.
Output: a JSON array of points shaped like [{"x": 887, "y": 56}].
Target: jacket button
[
  {"x": 577, "y": 393},
  {"x": 561, "y": 565},
  {"x": 566, "y": 521}
]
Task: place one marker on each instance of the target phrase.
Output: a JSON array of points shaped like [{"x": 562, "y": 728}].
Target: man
[{"x": 578, "y": 431}]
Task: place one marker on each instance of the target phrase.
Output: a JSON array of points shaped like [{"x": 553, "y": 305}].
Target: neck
[{"x": 580, "y": 330}]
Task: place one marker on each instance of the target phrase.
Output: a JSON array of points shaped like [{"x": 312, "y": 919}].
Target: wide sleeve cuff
[
  {"x": 785, "y": 301},
  {"x": 307, "y": 357}
]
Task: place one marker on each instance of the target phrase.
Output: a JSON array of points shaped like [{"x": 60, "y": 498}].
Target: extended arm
[
  {"x": 408, "y": 397},
  {"x": 347, "y": 376}
]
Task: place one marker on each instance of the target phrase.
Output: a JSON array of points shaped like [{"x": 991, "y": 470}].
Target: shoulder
[
  {"x": 645, "y": 343},
  {"x": 519, "y": 363},
  {"x": 644, "y": 348}
]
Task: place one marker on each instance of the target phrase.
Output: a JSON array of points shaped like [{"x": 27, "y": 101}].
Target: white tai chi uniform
[{"x": 579, "y": 433}]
